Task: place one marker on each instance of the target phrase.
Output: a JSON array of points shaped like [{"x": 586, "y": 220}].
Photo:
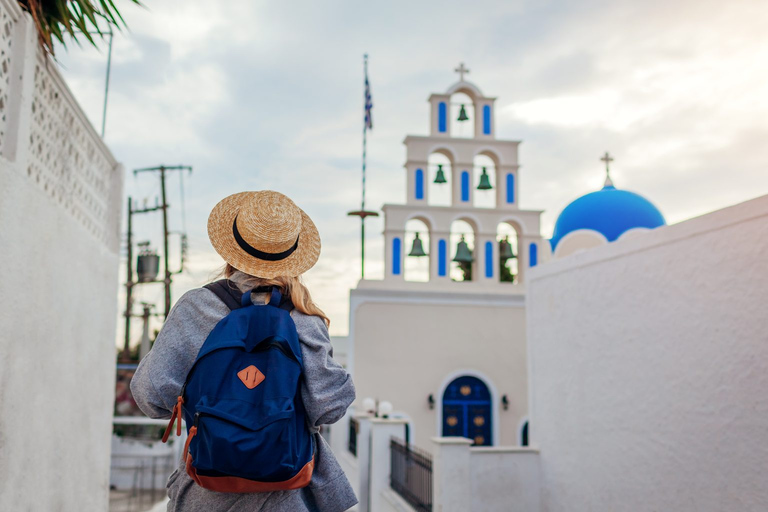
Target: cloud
[{"x": 269, "y": 95}]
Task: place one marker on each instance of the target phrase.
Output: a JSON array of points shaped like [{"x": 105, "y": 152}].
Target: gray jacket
[{"x": 327, "y": 392}]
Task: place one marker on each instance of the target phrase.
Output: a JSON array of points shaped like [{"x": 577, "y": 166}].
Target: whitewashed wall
[
  {"x": 407, "y": 345},
  {"x": 60, "y": 204},
  {"x": 649, "y": 369}
]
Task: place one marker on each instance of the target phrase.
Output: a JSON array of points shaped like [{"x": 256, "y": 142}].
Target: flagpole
[
  {"x": 362, "y": 213},
  {"x": 365, "y": 140}
]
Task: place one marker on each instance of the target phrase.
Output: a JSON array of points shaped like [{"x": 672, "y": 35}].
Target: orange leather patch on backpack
[{"x": 251, "y": 376}]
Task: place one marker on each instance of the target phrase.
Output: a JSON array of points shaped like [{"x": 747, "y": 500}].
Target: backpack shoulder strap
[
  {"x": 284, "y": 302},
  {"x": 227, "y": 292}
]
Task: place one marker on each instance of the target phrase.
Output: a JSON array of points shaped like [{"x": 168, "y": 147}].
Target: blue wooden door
[{"x": 467, "y": 410}]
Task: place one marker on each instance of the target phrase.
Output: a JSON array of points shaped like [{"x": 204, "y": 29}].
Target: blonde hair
[{"x": 291, "y": 286}]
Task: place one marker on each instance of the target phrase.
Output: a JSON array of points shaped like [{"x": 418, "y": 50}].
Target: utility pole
[
  {"x": 129, "y": 282},
  {"x": 144, "y": 347},
  {"x": 163, "y": 169}
]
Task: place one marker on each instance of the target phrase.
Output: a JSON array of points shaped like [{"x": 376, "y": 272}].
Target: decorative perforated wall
[
  {"x": 64, "y": 159},
  {"x": 7, "y": 24}
]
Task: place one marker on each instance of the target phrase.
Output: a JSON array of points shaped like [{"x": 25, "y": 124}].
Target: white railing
[{"x": 45, "y": 135}]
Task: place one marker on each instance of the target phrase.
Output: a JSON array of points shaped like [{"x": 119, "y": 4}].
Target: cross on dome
[
  {"x": 461, "y": 70},
  {"x": 607, "y": 158}
]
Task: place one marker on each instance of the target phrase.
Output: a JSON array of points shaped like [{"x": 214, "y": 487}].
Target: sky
[{"x": 268, "y": 95}]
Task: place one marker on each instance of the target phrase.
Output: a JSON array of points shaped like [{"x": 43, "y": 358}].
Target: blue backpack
[{"x": 247, "y": 428}]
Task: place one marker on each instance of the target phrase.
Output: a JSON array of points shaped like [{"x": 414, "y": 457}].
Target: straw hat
[{"x": 264, "y": 234}]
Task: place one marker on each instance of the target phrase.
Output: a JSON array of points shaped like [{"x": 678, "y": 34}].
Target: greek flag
[{"x": 368, "y": 104}]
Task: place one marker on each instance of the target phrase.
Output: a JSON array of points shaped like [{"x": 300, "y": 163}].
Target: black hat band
[{"x": 268, "y": 256}]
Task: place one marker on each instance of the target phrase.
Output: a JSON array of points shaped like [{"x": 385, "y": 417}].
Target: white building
[
  {"x": 450, "y": 354},
  {"x": 638, "y": 350},
  {"x": 60, "y": 206},
  {"x": 649, "y": 369}
]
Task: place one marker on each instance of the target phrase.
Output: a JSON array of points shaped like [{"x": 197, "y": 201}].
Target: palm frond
[{"x": 77, "y": 19}]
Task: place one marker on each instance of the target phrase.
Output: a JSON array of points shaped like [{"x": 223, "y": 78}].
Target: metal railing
[
  {"x": 145, "y": 490},
  {"x": 411, "y": 474},
  {"x": 354, "y": 428},
  {"x": 141, "y": 464}
]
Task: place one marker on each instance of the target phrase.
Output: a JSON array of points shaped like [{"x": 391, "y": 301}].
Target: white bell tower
[{"x": 461, "y": 153}]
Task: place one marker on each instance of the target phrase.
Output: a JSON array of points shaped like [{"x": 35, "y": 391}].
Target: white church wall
[
  {"x": 407, "y": 344},
  {"x": 60, "y": 204},
  {"x": 649, "y": 369},
  {"x": 579, "y": 240}
]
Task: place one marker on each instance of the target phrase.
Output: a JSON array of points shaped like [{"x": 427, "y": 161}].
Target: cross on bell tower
[
  {"x": 607, "y": 158},
  {"x": 461, "y": 70}
]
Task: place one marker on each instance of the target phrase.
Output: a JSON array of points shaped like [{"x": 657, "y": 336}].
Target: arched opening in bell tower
[
  {"x": 462, "y": 115},
  {"x": 508, "y": 244},
  {"x": 485, "y": 181},
  {"x": 440, "y": 169},
  {"x": 462, "y": 247},
  {"x": 417, "y": 240}
]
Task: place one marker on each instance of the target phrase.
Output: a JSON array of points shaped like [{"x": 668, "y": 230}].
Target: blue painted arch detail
[
  {"x": 465, "y": 186},
  {"x": 510, "y": 188},
  {"x": 396, "y": 257},
  {"x": 487, "y": 119},
  {"x": 489, "y": 259},
  {"x": 419, "y": 185},
  {"x": 609, "y": 211},
  {"x": 442, "y": 258},
  {"x": 442, "y": 116},
  {"x": 533, "y": 254},
  {"x": 467, "y": 410}
]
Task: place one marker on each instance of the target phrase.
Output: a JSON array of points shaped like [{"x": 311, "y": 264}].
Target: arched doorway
[{"x": 467, "y": 410}]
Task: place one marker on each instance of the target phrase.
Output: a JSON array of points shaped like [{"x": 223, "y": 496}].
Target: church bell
[
  {"x": 505, "y": 250},
  {"x": 417, "y": 249},
  {"x": 440, "y": 178},
  {"x": 462, "y": 114},
  {"x": 463, "y": 252},
  {"x": 485, "y": 182}
]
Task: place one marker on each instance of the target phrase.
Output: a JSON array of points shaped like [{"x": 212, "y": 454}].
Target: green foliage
[
  {"x": 54, "y": 19},
  {"x": 505, "y": 274}
]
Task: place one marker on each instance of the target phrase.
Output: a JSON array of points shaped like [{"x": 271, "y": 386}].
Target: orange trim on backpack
[
  {"x": 242, "y": 485},
  {"x": 192, "y": 433},
  {"x": 176, "y": 415}
]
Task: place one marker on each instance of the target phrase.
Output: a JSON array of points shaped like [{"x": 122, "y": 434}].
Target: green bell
[
  {"x": 505, "y": 250},
  {"x": 462, "y": 114},
  {"x": 417, "y": 249},
  {"x": 485, "y": 181},
  {"x": 463, "y": 252},
  {"x": 440, "y": 178}
]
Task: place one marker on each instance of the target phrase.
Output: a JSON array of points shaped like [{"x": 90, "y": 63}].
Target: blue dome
[{"x": 608, "y": 211}]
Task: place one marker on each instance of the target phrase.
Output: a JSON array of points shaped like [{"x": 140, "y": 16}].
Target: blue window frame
[
  {"x": 467, "y": 410},
  {"x": 489, "y": 259},
  {"x": 419, "y": 192},
  {"x": 442, "y": 258},
  {"x": 442, "y": 117},
  {"x": 464, "y": 186},
  {"x": 510, "y": 188},
  {"x": 396, "y": 248},
  {"x": 533, "y": 254},
  {"x": 487, "y": 119}
]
